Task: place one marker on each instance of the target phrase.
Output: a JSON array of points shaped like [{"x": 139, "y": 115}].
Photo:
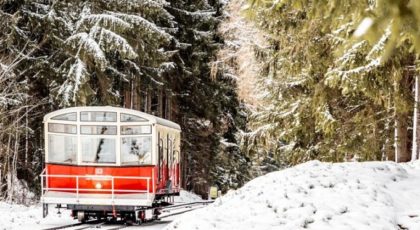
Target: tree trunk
[
  {"x": 7, "y": 169},
  {"x": 160, "y": 102},
  {"x": 128, "y": 94},
  {"x": 26, "y": 137},
  {"x": 385, "y": 146},
  {"x": 416, "y": 117},
  {"x": 401, "y": 118},
  {"x": 401, "y": 138},
  {"x": 136, "y": 99},
  {"x": 148, "y": 103}
]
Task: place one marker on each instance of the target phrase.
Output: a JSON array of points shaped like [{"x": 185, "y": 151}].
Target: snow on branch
[
  {"x": 84, "y": 43},
  {"x": 380, "y": 45},
  {"x": 75, "y": 78},
  {"x": 152, "y": 4},
  {"x": 166, "y": 66},
  {"x": 197, "y": 14},
  {"x": 109, "y": 40},
  {"x": 351, "y": 53},
  {"x": 3, "y": 67},
  {"x": 105, "y": 20},
  {"x": 361, "y": 69},
  {"x": 156, "y": 9},
  {"x": 144, "y": 24}
]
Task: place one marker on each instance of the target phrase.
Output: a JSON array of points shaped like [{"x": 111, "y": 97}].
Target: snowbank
[
  {"x": 15, "y": 216},
  {"x": 187, "y": 197},
  {"x": 315, "y": 195}
]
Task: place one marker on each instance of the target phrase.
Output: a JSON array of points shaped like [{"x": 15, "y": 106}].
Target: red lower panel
[{"x": 91, "y": 182}]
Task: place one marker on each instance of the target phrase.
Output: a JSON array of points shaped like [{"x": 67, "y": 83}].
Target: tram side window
[
  {"x": 62, "y": 149},
  {"x": 65, "y": 117},
  {"x": 136, "y": 150},
  {"x": 136, "y": 129},
  {"x": 131, "y": 118},
  {"x": 98, "y": 129},
  {"x": 98, "y": 116},
  {"x": 98, "y": 150},
  {"x": 62, "y": 128}
]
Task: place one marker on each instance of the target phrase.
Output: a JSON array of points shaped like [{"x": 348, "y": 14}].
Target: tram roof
[{"x": 149, "y": 117}]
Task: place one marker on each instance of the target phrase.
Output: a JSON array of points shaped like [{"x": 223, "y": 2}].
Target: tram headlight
[{"x": 98, "y": 185}]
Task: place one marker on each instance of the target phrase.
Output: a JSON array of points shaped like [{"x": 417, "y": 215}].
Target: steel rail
[
  {"x": 90, "y": 223},
  {"x": 187, "y": 204}
]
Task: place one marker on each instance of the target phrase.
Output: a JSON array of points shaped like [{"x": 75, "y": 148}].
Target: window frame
[
  {"x": 80, "y": 151},
  {"x": 127, "y": 114},
  {"x": 89, "y": 111},
  {"x": 117, "y": 137},
  {"x": 63, "y": 114},
  {"x": 55, "y": 123},
  {"x": 47, "y": 150},
  {"x": 95, "y": 134},
  {"x": 136, "y": 136}
]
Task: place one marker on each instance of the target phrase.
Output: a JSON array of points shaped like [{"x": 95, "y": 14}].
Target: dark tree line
[{"x": 152, "y": 56}]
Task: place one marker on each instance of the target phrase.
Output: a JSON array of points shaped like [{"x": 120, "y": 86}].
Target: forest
[{"x": 256, "y": 85}]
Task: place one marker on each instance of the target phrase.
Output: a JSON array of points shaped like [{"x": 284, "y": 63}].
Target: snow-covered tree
[
  {"x": 149, "y": 55},
  {"x": 330, "y": 95}
]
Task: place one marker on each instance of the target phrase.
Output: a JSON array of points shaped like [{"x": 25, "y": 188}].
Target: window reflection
[
  {"x": 62, "y": 149},
  {"x": 98, "y": 116},
  {"x": 62, "y": 128},
  {"x": 98, "y": 129},
  {"x": 65, "y": 117},
  {"x": 136, "y": 129},
  {"x": 98, "y": 150},
  {"x": 136, "y": 150},
  {"x": 131, "y": 118}
]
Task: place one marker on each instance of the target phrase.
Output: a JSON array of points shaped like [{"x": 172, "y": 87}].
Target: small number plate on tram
[{"x": 99, "y": 171}]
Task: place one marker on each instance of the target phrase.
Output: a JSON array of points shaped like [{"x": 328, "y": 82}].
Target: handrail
[
  {"x": 99, "y": 176},
  {"x": 97, "y": 190},
  {"x": 45, "y": 188}
]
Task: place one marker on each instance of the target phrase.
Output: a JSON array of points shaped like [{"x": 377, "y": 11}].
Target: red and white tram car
[{"x": 106, "y": 161}]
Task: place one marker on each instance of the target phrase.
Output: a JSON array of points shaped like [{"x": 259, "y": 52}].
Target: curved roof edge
[{"x": 152, "y": 118}]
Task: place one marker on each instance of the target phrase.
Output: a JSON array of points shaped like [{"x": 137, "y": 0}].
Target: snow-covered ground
[
  {"x": 13, "y": 216},
  {"x": 315, "y": 195},
  {"x": 187, "y": 197}
]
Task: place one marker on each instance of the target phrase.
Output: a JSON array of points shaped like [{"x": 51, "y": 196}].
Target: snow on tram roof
[{"x": 149, "y": 117}]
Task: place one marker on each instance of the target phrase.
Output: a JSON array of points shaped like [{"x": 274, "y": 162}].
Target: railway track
[
  {"x": 186, "y": 208},
  {"x": 166, "y": 212},
  {"x": 78, "y": 226},
  {"x": 94, "y": 225}
]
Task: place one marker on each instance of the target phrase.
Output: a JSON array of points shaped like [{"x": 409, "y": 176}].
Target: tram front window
[
  {"x": 62, "y": 149},
  {"x": 98, "y": 150},
  {"x": 136, "y": 150}
]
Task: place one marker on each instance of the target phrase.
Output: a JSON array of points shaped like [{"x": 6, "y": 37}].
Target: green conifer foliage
[
  {"x": 208, "y": 105},
  {"x": 329, "y": 95}
]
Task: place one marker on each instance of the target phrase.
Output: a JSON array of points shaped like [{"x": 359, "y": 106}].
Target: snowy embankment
[{"x": 315, "y": 195}]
